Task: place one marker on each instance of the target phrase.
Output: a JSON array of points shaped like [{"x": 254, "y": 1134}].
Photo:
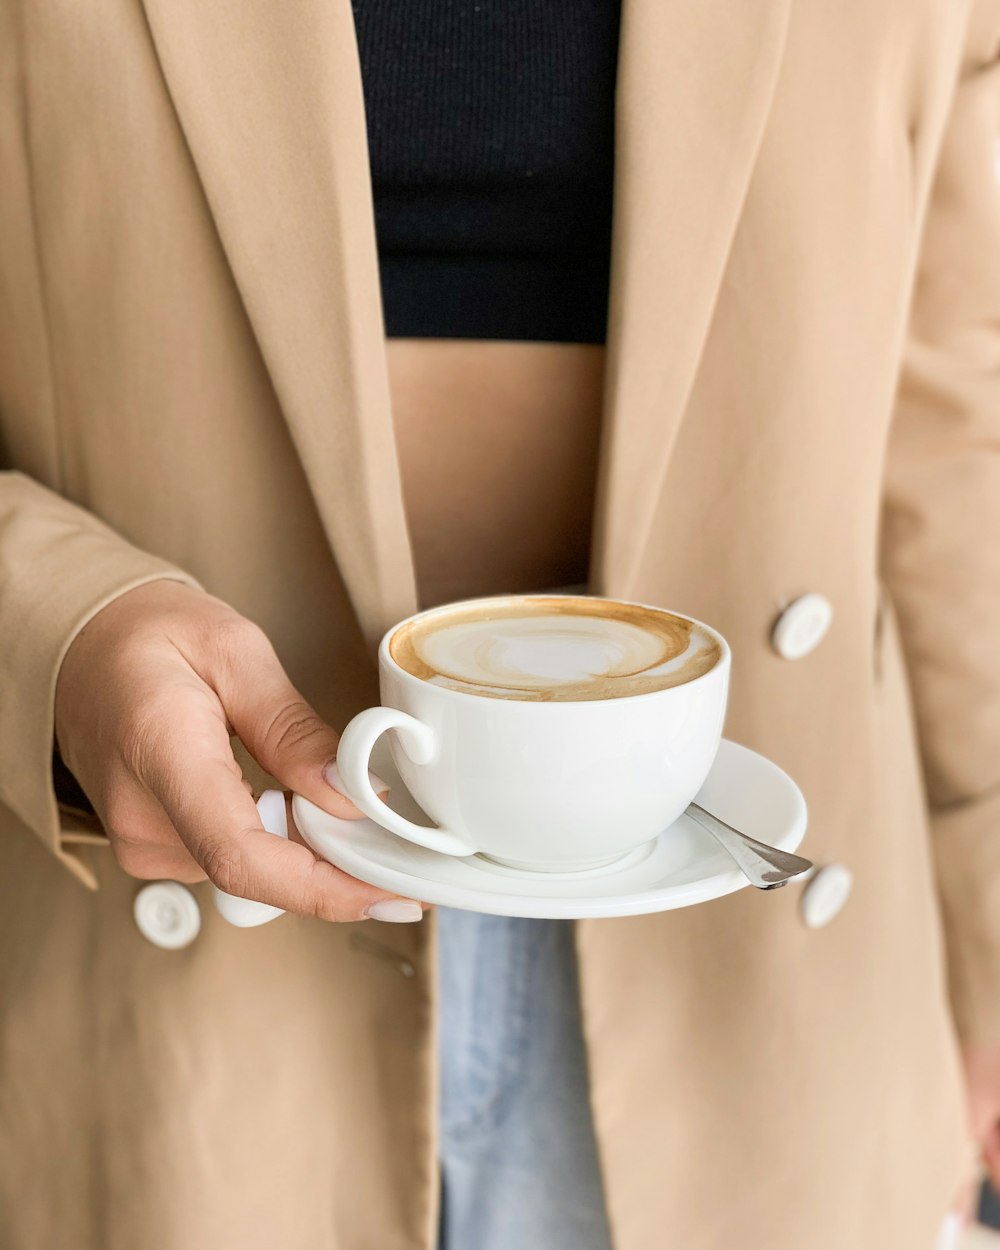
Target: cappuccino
[{"x": 553, "y": 648}]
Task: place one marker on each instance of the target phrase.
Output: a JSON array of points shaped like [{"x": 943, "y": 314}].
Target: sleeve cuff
[{"x": 58, "y": 567}]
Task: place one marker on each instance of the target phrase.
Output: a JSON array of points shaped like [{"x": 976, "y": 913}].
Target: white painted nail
[
  {"x": 950, "y": 1231},
  {"x": 395, "y": 910},
  {"x": 331, "y": 775}
]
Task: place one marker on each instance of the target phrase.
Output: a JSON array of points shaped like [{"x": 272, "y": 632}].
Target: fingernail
[
  {"x": 331, "y": 775},
  {"x": 395, "y": 910},
  {"x": 950, "y": 1231}
]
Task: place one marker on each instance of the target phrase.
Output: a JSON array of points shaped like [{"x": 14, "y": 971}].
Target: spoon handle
[{"x": 764, "y": 866}]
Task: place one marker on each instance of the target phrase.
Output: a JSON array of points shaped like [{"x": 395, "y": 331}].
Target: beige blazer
[{"x": 802, "y": 394}]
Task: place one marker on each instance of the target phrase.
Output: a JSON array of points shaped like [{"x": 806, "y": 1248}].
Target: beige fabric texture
[{"x": 802, "y": 394}]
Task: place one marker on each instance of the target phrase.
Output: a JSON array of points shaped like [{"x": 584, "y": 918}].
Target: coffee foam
[{"x": 558, "y": 649}]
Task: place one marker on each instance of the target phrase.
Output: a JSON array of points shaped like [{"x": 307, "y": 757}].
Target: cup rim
[{"x": 384, "y": 656}]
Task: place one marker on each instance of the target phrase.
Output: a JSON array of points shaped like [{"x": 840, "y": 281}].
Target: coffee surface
[{"x": 550, "y": 648}]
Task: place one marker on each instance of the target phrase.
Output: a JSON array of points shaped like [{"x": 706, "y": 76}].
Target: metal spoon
[{"x": 764, "y": 866}]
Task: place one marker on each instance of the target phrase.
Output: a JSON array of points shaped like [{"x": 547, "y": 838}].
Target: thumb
[{"x": 281, "y": 730}]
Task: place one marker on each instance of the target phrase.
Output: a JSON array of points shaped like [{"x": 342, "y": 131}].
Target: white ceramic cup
[{"x": 539, "y": 786}]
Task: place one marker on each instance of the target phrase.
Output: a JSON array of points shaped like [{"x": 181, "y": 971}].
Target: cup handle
[
  {"x": 246, "y": 913},
  {"x": 419, "y": 742}
]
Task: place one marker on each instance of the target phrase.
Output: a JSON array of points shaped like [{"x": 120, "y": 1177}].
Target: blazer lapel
[
  {"x": 269, "y": 95},
  {"x": 695, "y": 84},
  {"x": 270, "y": 99}
]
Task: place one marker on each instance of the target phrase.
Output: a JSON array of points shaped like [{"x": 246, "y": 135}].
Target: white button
[
  {"x": 167, "y": 913},
  {"x": 802, "y": 626},
  {"x": 825, "y": 894}
]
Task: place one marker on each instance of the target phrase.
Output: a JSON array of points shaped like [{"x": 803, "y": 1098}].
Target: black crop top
[{"x": 490, "y": 135}]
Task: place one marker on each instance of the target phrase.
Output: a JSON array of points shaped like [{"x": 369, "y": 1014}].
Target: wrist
[{"x": 105, "y": 634}]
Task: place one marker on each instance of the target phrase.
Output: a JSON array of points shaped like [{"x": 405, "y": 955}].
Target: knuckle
[
  {"x": 122, "y": 824},
  {"x": 232, "y": 636},
  {"x": 332, "y": 896},
  {"x": 328, "y": 909},
  {"x": 324, "y": 906},
  {"x": 134, "y": 859},
  {"x": 226, "y": 868},
  {"x": 292, "y": 728}
]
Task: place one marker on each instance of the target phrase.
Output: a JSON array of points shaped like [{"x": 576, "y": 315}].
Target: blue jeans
[{"x": 519, "y": 1166}]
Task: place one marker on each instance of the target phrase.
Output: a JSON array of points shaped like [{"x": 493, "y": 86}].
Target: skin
[
  {"x": 147, "y": 698},
  {"x": 497, "y": 444},
  {"x": 981, "y": 1062},
  {"x": 152, "y": 688}
]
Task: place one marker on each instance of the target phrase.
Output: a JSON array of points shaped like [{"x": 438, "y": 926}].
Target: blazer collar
[{"x": 269, "y": 96}]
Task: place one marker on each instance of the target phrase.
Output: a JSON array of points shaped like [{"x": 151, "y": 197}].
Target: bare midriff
[{"x": 497, "y": 443}]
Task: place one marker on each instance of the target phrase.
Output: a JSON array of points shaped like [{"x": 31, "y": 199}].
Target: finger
[
  {"x": 279, "y": 728},
  {"x": 194, "y": 780},
  {"x": 295, "y": 834},
  {"x": 152, "y": 865},
  {"x": 143, "y": 839}
]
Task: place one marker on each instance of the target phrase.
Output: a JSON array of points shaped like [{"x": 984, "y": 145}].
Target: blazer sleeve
[
  {"x": 941, "y": 529},
  {"x": 59, "y": 565}
]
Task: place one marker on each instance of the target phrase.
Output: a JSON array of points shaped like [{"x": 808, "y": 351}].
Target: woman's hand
[{"x": 148, "y": 695}]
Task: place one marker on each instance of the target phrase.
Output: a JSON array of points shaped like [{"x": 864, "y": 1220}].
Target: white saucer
[{"x": 683, "y": 866}]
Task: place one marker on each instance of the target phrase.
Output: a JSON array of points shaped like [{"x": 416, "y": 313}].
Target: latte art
[{"x": 554, "y": 648}]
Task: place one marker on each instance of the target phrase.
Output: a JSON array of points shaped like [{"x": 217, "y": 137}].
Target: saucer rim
[{"x": 483, "y": 899}]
